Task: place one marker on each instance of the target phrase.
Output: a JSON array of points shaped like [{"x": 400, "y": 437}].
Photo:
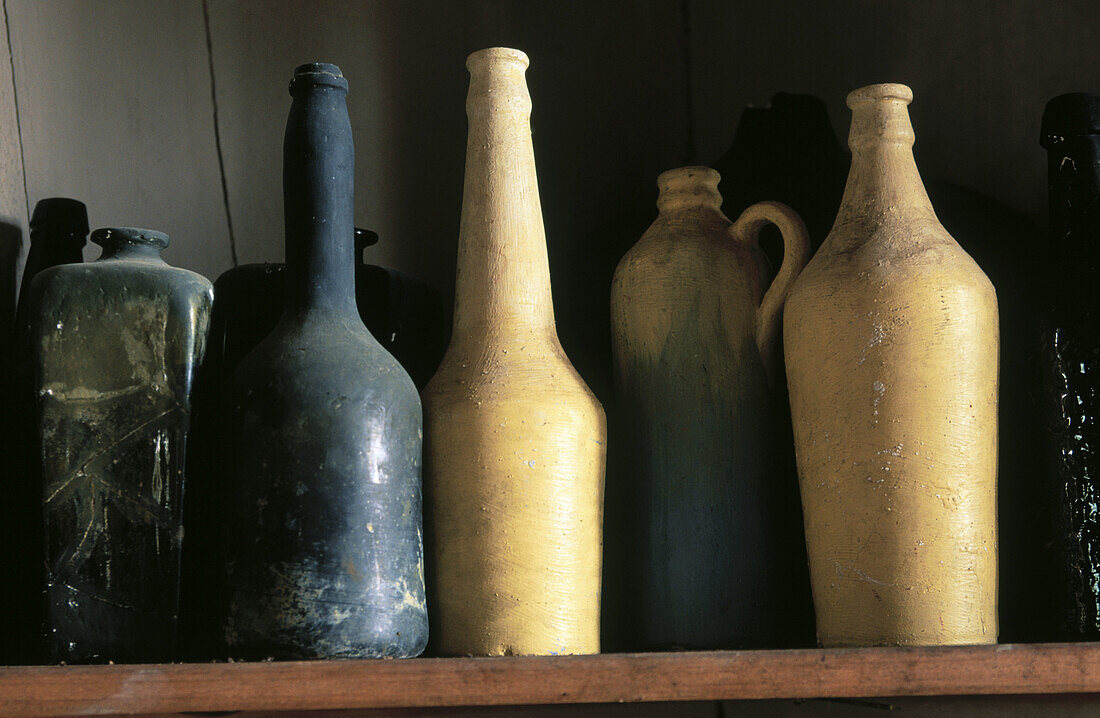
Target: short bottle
[
  {"x": 715, "y": 534},
  {"x": 1070, "y": 353},
  {"x": 891, "y": 341},
  {"x": 515, "y": 440},
  {"x": 114, "y": 345},
  {"x": 59, "y": 231},
  {"x": 323, "y": 518},
  {"x": 405, "y": 314}
]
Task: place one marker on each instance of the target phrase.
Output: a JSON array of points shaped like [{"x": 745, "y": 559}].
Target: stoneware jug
[
  {"x": 891, "y": 341},
  {"x": 323, "y": 552},
  {"x": 515, "y": 441},
  {"x": 114, "y": 345},
  {"x": 694, "y": 326},
  {"x": 1070, "y": 352}
]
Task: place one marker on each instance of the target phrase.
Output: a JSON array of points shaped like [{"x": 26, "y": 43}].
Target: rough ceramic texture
[
  {"x": 114, "y": 345},
  {"x": 515, "y": 441},
  {"x": 323, "y": 552},
  {"x": 694, "y": 327},
  {"x": 891, "y": 343},
  {"x": 1070, "y": 352}
]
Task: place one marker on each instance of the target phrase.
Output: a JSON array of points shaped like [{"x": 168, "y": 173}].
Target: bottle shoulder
[
  {"x": 915, "y": 269},
  {"x": 317, "y": 357},
  {"x": 516, "y": 374}
]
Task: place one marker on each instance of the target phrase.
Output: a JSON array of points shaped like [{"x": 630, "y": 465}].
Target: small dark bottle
[
  {"x": 786, "y": 151},
  {"x": 59, "y": 230},
  {"x": 323, "y": 545},
  {"x": 113, "y": 348},
  {"x": 1070, "y": 341},
  {"x": 405, "y": 314}
]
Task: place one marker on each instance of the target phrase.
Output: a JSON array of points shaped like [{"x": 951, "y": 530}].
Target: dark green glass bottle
[{"x": 113, "y": 347}]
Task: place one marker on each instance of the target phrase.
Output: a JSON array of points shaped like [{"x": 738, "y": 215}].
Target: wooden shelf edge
[{"x": 528, "y": 680}]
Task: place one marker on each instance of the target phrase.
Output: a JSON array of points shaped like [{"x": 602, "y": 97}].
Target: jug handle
[{"x": 796, "y": 252}]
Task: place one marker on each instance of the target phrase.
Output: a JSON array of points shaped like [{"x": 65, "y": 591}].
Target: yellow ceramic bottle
[
  {"x": 514, "y": 439},
  {"x": 891, "y": 342}
]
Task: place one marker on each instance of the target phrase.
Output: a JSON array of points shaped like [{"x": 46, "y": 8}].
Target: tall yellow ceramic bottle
[
  {"x": 891, "y": 343},
  {"x": 514, "y": 439}
]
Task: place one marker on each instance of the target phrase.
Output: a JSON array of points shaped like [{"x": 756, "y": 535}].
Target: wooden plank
[{"x": 609, "y": 678}]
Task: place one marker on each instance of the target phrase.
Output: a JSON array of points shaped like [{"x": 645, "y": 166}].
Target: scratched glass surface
[{"x": 115, "y": 345}]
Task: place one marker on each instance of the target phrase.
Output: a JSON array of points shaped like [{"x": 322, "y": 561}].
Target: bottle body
[
  {"x": 322, "y": 520},
  {"x": 891, "y": 342},
  {"x": 1070, "y": 353},
  {"x": 324, "y": 556},
  {"x": 515, "y": 440},
  {"x": 114, "y": 346},
  {"x": 715, "y": 535}
]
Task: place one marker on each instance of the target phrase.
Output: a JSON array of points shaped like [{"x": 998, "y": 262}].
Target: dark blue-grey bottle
[{"x": 323, "y": 547}]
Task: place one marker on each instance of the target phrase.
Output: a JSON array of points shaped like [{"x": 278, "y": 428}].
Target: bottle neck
[
  {"x": 883, "y": 182},
  {"x": 688, "y": 189},
  {"x": 318, "y": 195},
  {"x": 132, "y": 251},
  {"x": 503, "y": 278},
  {"x": 130, "y": 243},
  {"x": 1073, "y": 186}
]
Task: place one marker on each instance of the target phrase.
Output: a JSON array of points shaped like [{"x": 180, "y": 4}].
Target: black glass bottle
[
  {"x": 113, "y": 346},
  {"x": 323, "y": 524},
  {"x": 59, "y": 231},
  {"x": 405, "y": 314},
  {"x": 1070, "y": 341}
]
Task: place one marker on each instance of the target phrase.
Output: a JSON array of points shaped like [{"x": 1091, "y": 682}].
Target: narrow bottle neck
[
  {"x": 503, "y": 279},
  {"x": 318, "y": 198},
  {"x": 883, "y": 182}
]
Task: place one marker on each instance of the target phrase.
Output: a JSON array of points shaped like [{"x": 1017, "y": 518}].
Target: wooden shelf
[{"x": 609, "y": 678}]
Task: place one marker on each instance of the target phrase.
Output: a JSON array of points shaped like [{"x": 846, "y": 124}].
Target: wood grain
[{"x": 609, "y": 678}]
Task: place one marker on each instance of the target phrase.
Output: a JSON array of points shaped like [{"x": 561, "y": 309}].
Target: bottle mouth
[
  {"x": 496, "y": 55},
  {"x": 314, "y": 74},
  {"x": 696, "y": 174},
  {"x": 110, "y": 237},
  {"x": 364, "y": 238},
  {"x": 1076, "y": 113},
  {"x": 880, "y": 93},
  {"x": 61, "y": 212}
]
